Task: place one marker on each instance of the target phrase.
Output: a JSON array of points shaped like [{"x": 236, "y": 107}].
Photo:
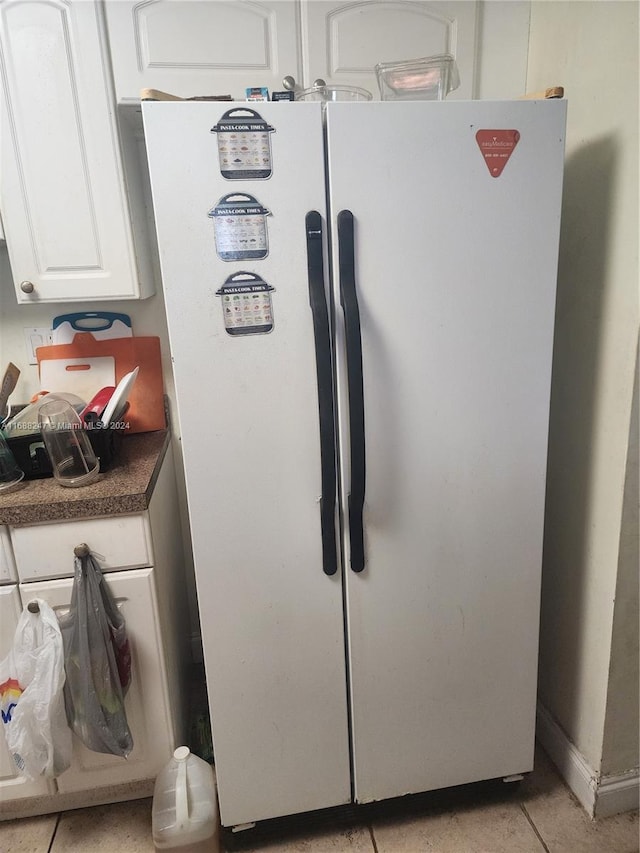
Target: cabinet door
[
  {"x": 146, "y": 701},
  {"x": 64, "y": 206},
  {"x": 344, "y": 40},
  {"x": 190, "y": 47},
  {"x": 7, "y": 564},
  {"x": 12, "y": 785}
]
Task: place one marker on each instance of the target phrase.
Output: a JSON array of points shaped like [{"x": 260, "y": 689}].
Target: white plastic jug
[{"x": 185, "y": 805}]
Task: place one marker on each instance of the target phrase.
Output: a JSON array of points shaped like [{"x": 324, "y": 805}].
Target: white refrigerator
[{"x": 360, "y": 306}]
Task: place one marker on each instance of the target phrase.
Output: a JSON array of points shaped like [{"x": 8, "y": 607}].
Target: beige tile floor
[{"x": 538, "y": 816}]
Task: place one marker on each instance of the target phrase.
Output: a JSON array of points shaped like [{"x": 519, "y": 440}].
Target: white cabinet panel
[
  {"x": 7, "y": 564},
  {"x": 66, "y": 214},
  {"x": 146, "y": 704},
  {"x": 191, "y": 47},
  {"x": 12, "y": 785},
  {"x": 45, "y": 551},
  {"x": 343, "y": 41},
  {"x": 11, "y": 609}
]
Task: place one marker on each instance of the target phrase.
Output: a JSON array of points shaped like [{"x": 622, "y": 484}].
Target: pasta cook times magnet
[
  {"x": 244, "y": 146},
  {"x": 240, "y": 228},
  {"x": 246, "y": 304}
]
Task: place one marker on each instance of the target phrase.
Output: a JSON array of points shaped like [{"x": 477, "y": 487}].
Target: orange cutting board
[{"x": 146, "y": 400}]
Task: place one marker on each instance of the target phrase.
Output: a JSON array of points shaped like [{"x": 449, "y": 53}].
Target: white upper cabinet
[
  {"x": 343, "y": 41},
  {"x": 202, "y": 47},
  {"x": 65, "y": 208},
  {"x": 221, "y": 47}
]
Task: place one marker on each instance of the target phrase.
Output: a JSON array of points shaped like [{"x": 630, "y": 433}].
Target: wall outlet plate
[{"x": 34, "y": 338}]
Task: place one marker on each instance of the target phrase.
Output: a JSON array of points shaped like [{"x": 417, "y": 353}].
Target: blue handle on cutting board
[
  {"x": 108, "y": 318},
  {"x": 100, "y": 324}
]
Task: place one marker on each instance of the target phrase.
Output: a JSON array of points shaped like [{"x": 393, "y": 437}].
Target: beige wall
[
  {"x": 622, "y": 721},
  {"x": 592, "y": 49},
  {"x": 501, "y": 58}
]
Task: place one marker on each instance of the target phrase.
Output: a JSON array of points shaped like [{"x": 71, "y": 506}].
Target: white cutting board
[{"x": 81, "y": 376}]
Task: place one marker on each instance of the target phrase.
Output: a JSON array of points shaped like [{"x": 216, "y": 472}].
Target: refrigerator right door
[{"x": 455, "y": 225}]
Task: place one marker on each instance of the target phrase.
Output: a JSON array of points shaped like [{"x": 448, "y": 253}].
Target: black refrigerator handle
[
  {"x": 353, "y": 341},
  {"x": 318, "y": 302}
]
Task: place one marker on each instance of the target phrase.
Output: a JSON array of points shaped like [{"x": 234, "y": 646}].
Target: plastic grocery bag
[
  {"x": 31, "y": 693},
  {"x": 96, "y": 652}
]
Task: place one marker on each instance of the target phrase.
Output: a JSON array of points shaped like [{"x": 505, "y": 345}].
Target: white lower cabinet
[
  {"x": 141, "y": 558},
  {"x": 148, "y": 713}
]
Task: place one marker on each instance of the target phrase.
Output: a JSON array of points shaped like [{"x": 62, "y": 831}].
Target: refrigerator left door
[{"x": 242, "y": 343}]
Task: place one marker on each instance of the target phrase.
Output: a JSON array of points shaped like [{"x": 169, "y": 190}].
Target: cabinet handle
[
  {"x": 353, "y": 345},
  {"x": 27, "y": 286},
  {"x": 322, "y": 338},
  {"x": 82, "y": 550}
]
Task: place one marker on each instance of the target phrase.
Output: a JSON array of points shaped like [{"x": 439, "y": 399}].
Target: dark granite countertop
[{"x": 125, "y": 488}]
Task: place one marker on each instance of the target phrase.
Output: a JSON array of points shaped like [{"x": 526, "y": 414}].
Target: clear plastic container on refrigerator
[
  {"x": 334, "y": 93},
  {"x": 428, "y": 79}
]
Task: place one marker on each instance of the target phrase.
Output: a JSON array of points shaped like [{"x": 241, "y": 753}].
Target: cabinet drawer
[
  {"x": 7, "y": 565},
  {"x": 44, "y": 551}
]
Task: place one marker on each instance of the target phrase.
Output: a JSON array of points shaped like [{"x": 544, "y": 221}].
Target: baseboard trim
[
  {"x": 62, "y": 802},
  {"x": 599, "y": 796},
  {"x": 618, "y": 794},
  {"x": 575, "y": 770}
]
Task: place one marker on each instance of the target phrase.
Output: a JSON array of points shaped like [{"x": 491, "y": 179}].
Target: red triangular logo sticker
[{"x": 496, "y": 146}]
